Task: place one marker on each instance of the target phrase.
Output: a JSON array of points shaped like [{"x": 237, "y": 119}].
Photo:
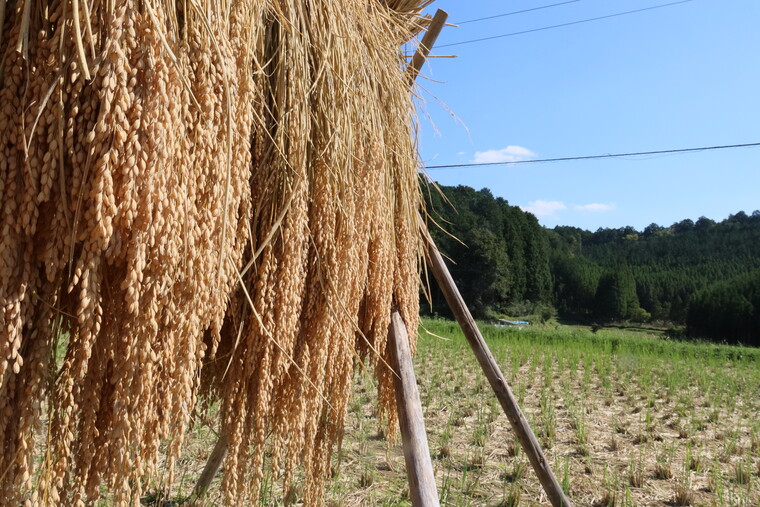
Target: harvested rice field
[{"x": 624, "y": 418}]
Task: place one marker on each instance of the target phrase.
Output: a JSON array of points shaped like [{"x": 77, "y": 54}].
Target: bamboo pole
[
  {"x": 495, "y": 377},
  {"x": 419, "y": 467}
]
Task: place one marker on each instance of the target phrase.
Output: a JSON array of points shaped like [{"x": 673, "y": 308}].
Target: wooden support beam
[
  {"x": 419, "y": 466},
  {"x": 470, "y": 328},
  {"x": 428, "y": 40},
  {"x": 213, "y": 465},
  {"x": 495, "y": 377}
]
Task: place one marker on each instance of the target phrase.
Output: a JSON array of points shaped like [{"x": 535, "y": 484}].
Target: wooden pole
[
  {"x": 428, "y": 40},
  {"x": 470, "y": 328},
  {"x": 209, "y": 471},
  {"x": 419, "y": 467},
  {"x": 495, "y": 378}
]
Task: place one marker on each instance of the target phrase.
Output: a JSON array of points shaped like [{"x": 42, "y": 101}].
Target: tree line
[{"x": 701, "y": 274}]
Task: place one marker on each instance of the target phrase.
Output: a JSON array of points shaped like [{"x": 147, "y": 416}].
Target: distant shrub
[{"x": 640, "y": 315}]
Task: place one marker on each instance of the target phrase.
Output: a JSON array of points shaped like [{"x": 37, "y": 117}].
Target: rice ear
[{"x": 214, "y": 202}]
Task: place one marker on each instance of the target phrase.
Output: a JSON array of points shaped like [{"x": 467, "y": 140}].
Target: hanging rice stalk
[{"x": 198, "y": 200}]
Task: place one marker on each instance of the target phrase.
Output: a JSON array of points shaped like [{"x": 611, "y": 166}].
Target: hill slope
[{"x": 505, "y": 261}]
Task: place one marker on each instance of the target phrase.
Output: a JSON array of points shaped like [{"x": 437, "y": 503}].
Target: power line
[
  {"x": 592, "y": 157},
  {"x": 562, "y": 24},
  {"x": 516, "y": 12}
]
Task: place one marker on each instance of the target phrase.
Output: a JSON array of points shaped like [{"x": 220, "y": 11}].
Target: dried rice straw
[{"x": 136, "y": 183}]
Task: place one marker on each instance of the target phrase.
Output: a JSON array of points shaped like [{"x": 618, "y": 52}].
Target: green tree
[
  {"x": 728, "y": 310},
  {"x": 616, "y": 295},
  {"x": 485, "y": 275}
]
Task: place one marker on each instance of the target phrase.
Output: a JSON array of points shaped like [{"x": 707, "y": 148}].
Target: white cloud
[
  {"x": 462, "y": 153},
  {"x": 544, "y": 208},
  {"x": 508, "y": 154},
  {"x": 595, "y": 207}
]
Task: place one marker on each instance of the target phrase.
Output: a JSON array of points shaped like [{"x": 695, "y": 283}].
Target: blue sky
[{"x": 681, "y": 76}]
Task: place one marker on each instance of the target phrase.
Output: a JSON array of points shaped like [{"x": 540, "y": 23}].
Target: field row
[{"x": 624, "y": 418}]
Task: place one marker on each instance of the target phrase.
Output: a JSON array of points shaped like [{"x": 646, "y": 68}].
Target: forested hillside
[
  {"x": 702, "y": 274},
  {"x": 500, "y": 254}
]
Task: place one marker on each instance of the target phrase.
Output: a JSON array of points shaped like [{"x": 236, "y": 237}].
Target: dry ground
[{"x": 625, "y": 419}]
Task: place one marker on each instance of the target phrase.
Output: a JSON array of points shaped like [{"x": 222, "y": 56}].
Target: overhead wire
[
  {"x": 660, "y": 6},
  {"x": 593, "y": 157},
  {"x": 515, "y": 12}
]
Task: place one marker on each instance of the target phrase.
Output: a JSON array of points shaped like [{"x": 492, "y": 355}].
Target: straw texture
[{"x": 198, "y": 200}]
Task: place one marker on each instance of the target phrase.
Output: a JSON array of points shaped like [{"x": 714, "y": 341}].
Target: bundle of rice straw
[{"x": 214, "y": 199}]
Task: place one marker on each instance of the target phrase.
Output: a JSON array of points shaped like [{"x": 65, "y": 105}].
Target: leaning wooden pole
[
  {"x": 470, "y": 328},
  {"x": 426, "y": 44},
  {"x": 213, "y": 465},
  {"x": 495, "y": 377},
  {"x": 419, "y": 466}
]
